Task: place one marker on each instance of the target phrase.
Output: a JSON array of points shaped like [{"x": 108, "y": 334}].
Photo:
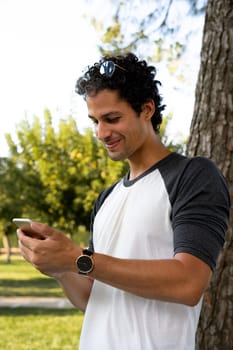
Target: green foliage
[{"x": 54, "y": 175}]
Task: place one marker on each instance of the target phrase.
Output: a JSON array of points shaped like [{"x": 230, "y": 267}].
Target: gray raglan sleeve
[{"x": 201, "y": 211}]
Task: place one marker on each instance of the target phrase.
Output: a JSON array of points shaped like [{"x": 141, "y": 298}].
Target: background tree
[
  {"x": 14, "y": 187},
  {"x": 212, "y": 136},
  {"x": 54, "y": 174},
  {"x": 148, "y": 24},
  {"x": 5, "y": 208}
]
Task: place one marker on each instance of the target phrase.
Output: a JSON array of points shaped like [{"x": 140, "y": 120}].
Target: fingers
[
  {"x": 26, "y": 245},
  {"x": 33, "y": 250},
  {"x": 42, "y": 230},
  {"x": 49, "y": 254},
  {"x": 23, "y": 238}
]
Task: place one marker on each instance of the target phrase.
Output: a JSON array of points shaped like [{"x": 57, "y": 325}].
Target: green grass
[
  {"x": 39, "y": 329},
  {"x": 35, "y": 328},
  {"x": 19, "y": 278}
]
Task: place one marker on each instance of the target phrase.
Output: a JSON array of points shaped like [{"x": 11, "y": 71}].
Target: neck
[{"x": 155, "y": 152}]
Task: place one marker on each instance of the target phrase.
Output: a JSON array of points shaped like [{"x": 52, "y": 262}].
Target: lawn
[
  {"x": 19, "y": 278},
  {"x": 39, "y": 329},
  {"x": 35, "y": 328}
]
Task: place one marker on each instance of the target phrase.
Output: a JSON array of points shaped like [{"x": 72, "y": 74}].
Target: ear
[{"x": 148, "y": 109}]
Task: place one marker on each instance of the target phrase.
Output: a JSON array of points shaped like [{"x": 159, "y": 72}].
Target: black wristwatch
[{"x": 85, "y": 262}]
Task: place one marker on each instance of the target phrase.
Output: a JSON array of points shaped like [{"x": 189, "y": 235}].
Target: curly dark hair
[{"x": 133, "y": 79}]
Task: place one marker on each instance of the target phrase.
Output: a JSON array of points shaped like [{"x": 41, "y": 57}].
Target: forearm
[
  {"x": 181, "y": 279},
  {"x": 167, "y": 280},
  {"x": 77, "y": 288},
  {"x": 55, "y": 255}
]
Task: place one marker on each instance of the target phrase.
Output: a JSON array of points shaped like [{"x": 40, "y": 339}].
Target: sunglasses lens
[{"x": 107, "y": 68}]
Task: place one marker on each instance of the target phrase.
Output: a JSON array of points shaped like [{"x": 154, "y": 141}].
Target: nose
[{"x": 102, "y": 130}]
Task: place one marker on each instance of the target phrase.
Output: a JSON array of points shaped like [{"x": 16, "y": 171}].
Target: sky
[{"x": 45, "y": 45}]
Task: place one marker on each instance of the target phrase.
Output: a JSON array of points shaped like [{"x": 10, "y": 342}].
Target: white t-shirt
[{"x": 147, "y": 218}]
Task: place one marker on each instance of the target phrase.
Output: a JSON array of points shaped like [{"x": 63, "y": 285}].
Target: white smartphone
[{"x": 25, "y": 225}]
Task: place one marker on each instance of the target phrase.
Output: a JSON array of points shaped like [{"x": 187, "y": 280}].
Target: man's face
[{"x": 118, "y": 126}]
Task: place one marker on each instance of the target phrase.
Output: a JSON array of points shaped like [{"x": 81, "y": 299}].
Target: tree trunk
[
  {"x": 7, "y": 247},
  {"x": 212, "y": 136}
]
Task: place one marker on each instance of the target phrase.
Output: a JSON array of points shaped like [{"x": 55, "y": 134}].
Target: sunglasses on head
[{"x": 108, "y": 68}]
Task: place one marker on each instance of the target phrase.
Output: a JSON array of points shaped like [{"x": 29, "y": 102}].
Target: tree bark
[{"x": 212, "y": 136}]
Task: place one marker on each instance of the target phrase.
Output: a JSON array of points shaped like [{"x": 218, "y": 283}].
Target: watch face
[{"x": 85, "y": 264}]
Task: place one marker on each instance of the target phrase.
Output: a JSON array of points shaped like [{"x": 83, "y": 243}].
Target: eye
[{"x": 113, "y": 120}]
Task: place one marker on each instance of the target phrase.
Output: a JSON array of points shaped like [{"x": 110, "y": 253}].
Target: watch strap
[{"x": 88, "y": 252}]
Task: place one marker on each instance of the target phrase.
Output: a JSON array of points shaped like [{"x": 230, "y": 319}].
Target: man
[{"x": 155, "y": 235}]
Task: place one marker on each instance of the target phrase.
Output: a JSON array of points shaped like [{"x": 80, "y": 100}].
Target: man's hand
[{"x": 53, "y": 255}]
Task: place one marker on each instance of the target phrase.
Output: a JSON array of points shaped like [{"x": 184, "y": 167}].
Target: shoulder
[
  {"x": 185, "y": 175},
  {"x": 183, "y": 166},
  {"x": 205, "y": 171},
  {"x": 203, "y": 163},
  {"x": 180, "y": 162}
]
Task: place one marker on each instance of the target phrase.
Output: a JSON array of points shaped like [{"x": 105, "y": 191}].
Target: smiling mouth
[{"x": 112, "y": 145}]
